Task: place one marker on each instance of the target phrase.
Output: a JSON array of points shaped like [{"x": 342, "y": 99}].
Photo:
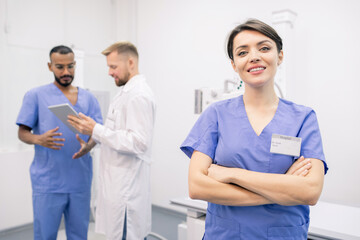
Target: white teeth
[{"x": 256, "y": 69}]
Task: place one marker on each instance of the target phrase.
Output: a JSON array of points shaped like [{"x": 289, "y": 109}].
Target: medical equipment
[
  {"x": 205, "y": 96},
  {"x": 232, "y": 88}
]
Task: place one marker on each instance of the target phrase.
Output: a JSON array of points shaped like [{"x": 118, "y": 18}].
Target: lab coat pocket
[
  {"x": 280, "y": 163},
  {"x": 288, "y": 233},
  {"x": 221, "y": 228}
]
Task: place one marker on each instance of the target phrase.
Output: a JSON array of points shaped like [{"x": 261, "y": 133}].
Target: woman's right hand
[{"x": 300, "y": 167}]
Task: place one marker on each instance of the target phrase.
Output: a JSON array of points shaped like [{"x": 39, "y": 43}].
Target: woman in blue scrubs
[{"x": 254, "y": 192}]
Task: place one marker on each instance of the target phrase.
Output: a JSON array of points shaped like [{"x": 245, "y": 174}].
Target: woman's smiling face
[{"x": 256, "y": 58}]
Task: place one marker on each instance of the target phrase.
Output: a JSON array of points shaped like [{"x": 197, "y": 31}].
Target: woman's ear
[
  {"x": 281, "y": 57},
  {"x": 233, "y": 65}
]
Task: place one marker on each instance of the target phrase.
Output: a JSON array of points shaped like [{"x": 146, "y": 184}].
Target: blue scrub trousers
[
  {"x": 125, "y": 231},
  {"x": 48, "y": 209}
]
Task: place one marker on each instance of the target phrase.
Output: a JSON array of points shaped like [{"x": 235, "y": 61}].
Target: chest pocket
[{"x": 280, "y": 163}]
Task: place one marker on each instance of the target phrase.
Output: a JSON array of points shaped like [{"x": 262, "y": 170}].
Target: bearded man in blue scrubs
[{"x": 61, "y": 174}]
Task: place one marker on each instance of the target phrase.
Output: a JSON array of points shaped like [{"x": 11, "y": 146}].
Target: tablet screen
[{"x": 62, "y": 111}]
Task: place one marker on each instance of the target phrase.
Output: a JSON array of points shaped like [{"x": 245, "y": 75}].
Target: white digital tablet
[{"x": 62, "y": 111}]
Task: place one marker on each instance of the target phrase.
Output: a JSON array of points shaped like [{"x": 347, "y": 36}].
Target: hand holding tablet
[{"x": 62, "y": 111}]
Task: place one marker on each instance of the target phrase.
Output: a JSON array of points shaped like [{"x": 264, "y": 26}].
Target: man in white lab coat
[{"x": 124, "y": 201}]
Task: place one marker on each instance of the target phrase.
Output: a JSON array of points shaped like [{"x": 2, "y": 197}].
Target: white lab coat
[{"x": 124, "y": 171}]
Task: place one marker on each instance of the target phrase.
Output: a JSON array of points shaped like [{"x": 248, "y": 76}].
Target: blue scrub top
[
  {"x": 224, "y": 133},
  {"x": 54, "y": 170}
]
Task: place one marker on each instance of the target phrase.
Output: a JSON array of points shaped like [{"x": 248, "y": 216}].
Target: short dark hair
[
  {"x": 254, "y": 25},
  {"x": 61, "y": 49}
]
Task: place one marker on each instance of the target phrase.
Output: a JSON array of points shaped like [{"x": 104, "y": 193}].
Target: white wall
[
  {"x": 181, "y": 45},
  {"x": 331, "y": 85},
  {"x": 15, "y": 203}
]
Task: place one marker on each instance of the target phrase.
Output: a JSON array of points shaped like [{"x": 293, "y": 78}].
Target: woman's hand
[
  {"x": 220, "y": 173},
  {"x": 300, "y": 167},
  {"x": 278, "y": 188}
]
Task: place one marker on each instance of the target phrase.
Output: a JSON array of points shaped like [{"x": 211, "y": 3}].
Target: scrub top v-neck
[
  {"x": 224, "y": 133},
  {"x": 64, "y": 98},
  {"x": 244, "y": 113}
]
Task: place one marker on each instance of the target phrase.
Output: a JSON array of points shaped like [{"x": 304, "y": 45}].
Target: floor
[
  {"x": 91, "y": 235},
  {"x": 164, "y": 224}
]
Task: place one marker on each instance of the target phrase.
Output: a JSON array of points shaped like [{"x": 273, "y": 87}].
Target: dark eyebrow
[
  {"x": 259, "y": 43},
  {"x": 262, "y": 42}
]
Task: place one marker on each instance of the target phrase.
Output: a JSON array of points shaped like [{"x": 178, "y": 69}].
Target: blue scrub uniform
[
  {"x": 61, "y": 185},
  {"x": 224, "y": 133}
]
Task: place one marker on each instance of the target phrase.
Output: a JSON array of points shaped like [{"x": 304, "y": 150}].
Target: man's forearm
[
  {"x": 26, "y": 136},
  {"x": 91, "y": 143}
]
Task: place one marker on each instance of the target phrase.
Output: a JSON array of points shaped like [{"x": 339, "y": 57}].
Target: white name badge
[{"x": 286, "y": 145}]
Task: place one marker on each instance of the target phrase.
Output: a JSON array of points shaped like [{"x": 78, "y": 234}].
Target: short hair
[
  {"x": 254, "y": 25},
  {"x": 61, "y": 49},
  {"x": 121, "y": 47}
]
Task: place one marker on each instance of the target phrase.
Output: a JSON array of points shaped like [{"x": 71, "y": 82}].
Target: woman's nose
[
  {"x": 254, "y": 60},
  {"x": 254, "y": 57}
]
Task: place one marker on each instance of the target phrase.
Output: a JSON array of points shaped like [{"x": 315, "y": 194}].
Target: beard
[
  {"x": 122, "y": 81},
  {"x": 58, "y": 80}
]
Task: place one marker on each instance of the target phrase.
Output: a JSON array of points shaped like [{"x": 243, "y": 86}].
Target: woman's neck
[{"x": 260, "y": 97}]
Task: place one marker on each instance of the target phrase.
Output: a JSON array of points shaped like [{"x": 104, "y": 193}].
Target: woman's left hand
[{"x": 219, "y": 173}]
